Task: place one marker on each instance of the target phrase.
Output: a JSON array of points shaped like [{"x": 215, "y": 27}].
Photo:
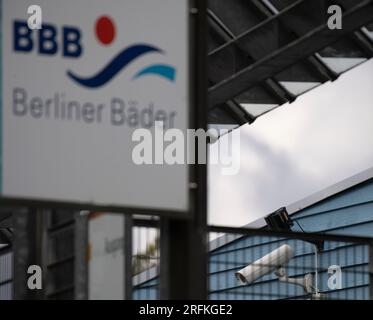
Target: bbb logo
[
  {"x": 71, "y": 47},
  {"x": 47, "y": 42}
]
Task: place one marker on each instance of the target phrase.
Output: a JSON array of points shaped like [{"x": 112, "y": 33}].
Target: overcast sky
[{"x": 323, "y": 137}]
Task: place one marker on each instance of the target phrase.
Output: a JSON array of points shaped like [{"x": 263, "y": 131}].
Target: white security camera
[
  {"x": 265, "y": 265},
  {"x": 274, "y": 261}
]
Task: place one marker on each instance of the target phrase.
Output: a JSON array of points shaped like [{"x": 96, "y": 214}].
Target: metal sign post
[
  {"x": 183, "y": 271},
  {"x": 27, "y": 243}
]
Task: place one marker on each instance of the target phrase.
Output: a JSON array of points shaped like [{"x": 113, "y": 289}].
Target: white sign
[
  {"x": 74, "y": 91},
  {"x": 106, "y": 259}
]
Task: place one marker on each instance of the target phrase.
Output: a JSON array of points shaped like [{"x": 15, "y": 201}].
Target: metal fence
[
  {"x": 331, "y": 267},
  {"x": 59, "y": 254},
  {"x": 6, "y": 272},
  {"x": 145, "y": 259}
]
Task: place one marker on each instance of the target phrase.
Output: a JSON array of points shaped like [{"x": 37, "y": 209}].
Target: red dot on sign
[{"x": 105, "y": 30}]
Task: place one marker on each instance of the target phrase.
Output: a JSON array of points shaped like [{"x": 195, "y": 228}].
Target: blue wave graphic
[
  {"x": 162, "y": 70},
  {"x": 114, "y": 66}
]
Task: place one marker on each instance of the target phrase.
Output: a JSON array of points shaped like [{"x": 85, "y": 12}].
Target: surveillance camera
[{"x": 265, "y": 265}]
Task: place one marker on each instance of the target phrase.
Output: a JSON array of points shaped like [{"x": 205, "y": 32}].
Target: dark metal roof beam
[
  {"x": 320, "y": 68},
  {"x": 276, "y": 90},
  {"x": 290, "y": 54},
  {"x": 259, "y": 28},
  {"x": 239, "y": 113},
  {"x": 232, "y": 107},
  {"x": 364, "y": 43},
  {"x": 218, "y": 24}
]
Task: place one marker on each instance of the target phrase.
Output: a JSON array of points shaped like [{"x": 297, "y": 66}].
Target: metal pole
[
  {"x": 370, "y": 270},
  {"x": 80, "y": 256},
  {"x": 27, "y": 249},
  {"x": 127, "y": 256},
  {"x": 316, "y": 269},
  {"x": 183, "y": 263}
]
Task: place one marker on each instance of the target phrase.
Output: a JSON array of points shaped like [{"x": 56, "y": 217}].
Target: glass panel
[
  {"x": 298, "y": 88},
  {"x": 342, "y": 55},
  {"x": 257, "y": 109},
  {"x": 340, "y": 65}
]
